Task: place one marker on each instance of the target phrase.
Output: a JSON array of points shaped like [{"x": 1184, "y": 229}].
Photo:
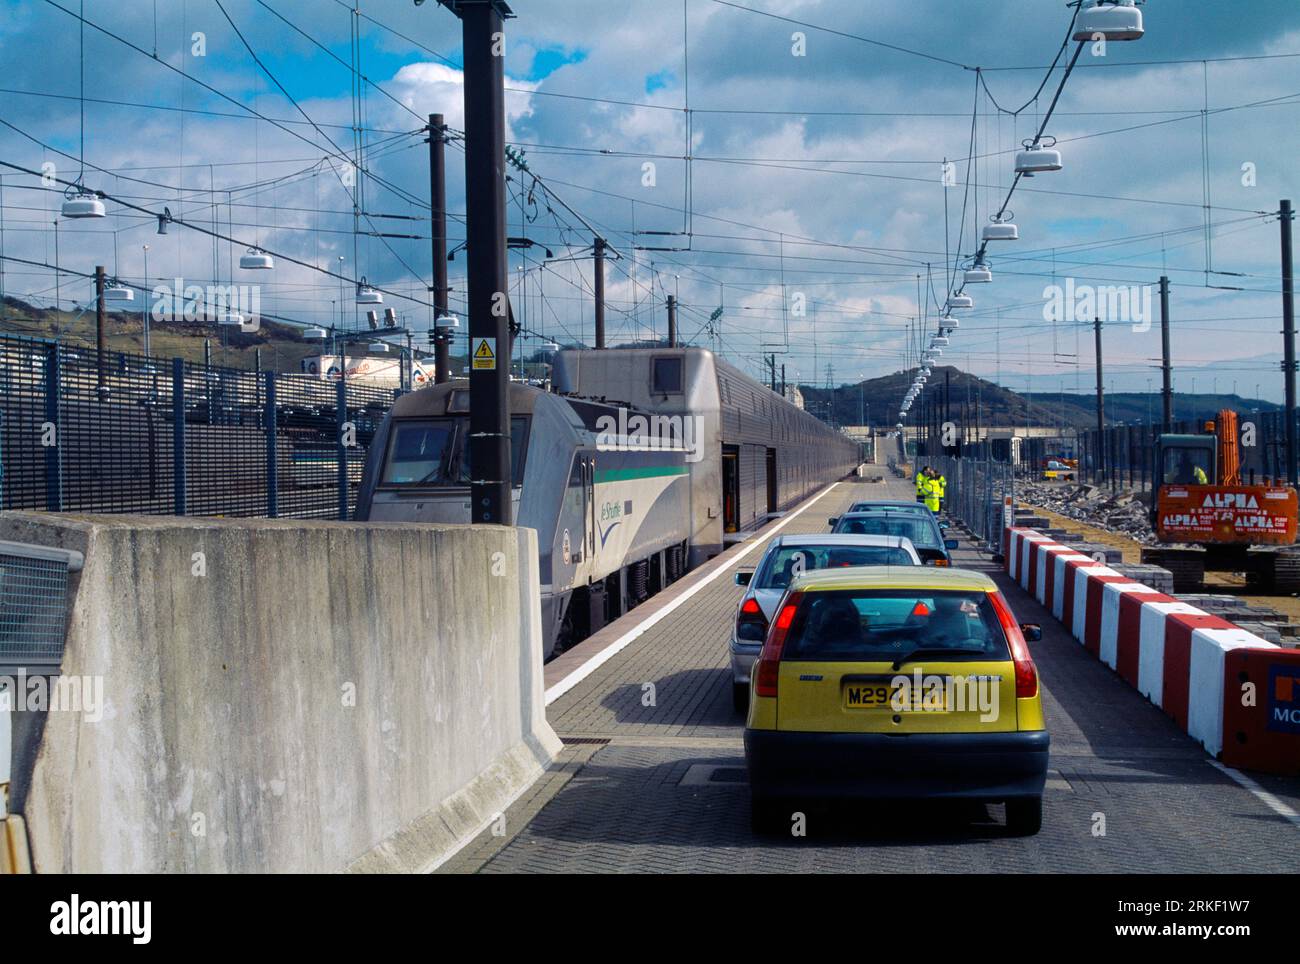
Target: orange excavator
[{"x": 1217, "y": 522}]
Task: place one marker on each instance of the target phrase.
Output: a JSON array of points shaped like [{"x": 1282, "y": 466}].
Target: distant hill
[
  {"x": 1132, "y": 407},
  {"x": 878, "y": 399},
  {"x": 282, "y": 345}
]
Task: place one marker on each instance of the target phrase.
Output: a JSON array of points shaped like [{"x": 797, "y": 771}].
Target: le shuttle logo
[
  {"x": 102, "y": 917},
  {"x": 1284, "y": 698}
]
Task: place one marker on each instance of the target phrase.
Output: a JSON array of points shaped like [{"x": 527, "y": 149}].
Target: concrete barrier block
[{"x": 311, "y": 696}]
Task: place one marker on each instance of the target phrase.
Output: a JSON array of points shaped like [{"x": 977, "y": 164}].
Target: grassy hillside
[
  {"x": 878, "y": 399},
  {"x": 1139, "y": 406},
  {"x": 282, "y": 345}
]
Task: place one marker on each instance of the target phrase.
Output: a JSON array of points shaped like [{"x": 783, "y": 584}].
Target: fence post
[
  {"x": 272, "y": 469},
  {"x": 53, "y": 453},
  {"x": 342, "y": 419},
  {"x": 178, "y": 435}
]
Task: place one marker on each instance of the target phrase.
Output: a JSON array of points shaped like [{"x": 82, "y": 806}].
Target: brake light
[
  {"x": 751, "y": 614},
  {"x": 941, "y": 562},
  {"x": 769, "y": 660},
  {"x": 1025, "y": 671}
]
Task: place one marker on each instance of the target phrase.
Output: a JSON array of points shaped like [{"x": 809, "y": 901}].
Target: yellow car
[{"x": 897, "y": 683}]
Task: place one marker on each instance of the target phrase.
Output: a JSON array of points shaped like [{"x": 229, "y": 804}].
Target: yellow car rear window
[{"x": 850, "y": 625}]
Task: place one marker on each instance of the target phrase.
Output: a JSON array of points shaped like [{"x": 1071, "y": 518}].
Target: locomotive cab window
[
  {"x": 666, "y": 375},
  {"x": 419, "y": 453},
  {"x": 431, "y": 452}
]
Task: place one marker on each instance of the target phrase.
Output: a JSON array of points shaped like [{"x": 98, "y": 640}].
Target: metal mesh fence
[
  {"x": 141, "y": 435},
  {"x": 975, "y": 492},
  {"x": 32, "y": 607}
]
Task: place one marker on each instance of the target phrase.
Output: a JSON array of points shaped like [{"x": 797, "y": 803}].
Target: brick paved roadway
[{"x": 662, "y": 787}]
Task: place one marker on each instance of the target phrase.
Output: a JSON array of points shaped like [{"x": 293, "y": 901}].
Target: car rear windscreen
[
  {"x": 788, "y": 561},
  {"x": 921, "y": 530},
  {"x": 871, "y": 625}
]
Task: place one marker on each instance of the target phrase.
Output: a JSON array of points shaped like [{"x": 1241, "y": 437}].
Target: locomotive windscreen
[{"x": 433, "y": 451}]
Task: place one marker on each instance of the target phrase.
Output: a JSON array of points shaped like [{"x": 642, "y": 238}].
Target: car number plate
[{"x": 880, "y": 696}]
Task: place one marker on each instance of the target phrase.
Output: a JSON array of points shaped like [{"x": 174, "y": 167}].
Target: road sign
[{"x": 484, "y": 354}]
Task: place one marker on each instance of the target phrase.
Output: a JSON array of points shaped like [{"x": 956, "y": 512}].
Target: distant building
[{"x": 385, "y": 372}]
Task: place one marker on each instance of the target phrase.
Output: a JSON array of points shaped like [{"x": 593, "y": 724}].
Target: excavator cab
[{"x": 1187, "y": 459}]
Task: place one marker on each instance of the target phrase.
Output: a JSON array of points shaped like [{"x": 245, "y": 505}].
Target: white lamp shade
[
  {"x": 1035, "y": 160},
  {"x": 256, "y": 260},
  {"x": 83, "y": 206},
  {"x": 1001, "y": 231},
  {"x": 1114, "y": 21}
]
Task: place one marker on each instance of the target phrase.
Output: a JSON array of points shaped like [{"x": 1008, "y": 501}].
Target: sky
[{"x": 812, "y": 208}]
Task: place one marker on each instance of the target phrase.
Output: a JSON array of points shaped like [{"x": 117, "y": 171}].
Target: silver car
[{"x": 787, "y": 556}]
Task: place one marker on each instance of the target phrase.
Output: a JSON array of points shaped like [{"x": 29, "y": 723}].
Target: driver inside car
[
  {"x": 837, "y": 625},
  {"x": 952, "y": 621}
]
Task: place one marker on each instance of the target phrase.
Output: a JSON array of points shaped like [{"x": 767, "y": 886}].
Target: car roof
[
  {"x": 876, "y": 514},
  {"x": 888, "y": 504},
  {"x": 840, "y": 539},
  {"x": 893, "y": 577}
]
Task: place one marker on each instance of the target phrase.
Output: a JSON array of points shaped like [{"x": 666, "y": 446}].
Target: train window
[
  {"x": 434, "y": 452},
  {"x": 518, "y": 447},
  {"x": 419, "y": 452},
  {"x": 666, "y": 375}
]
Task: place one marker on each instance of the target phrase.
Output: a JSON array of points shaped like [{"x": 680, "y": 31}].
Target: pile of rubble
[
  {"x": 1263, "y": 621},
  {"x": 1120, "y": 512}
]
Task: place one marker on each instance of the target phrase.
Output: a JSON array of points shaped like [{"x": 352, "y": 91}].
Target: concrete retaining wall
[
  {"x": 285, "y": 696},
  {"x": 1235, "y": 693}
]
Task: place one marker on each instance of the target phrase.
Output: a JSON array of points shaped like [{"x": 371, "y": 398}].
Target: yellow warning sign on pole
[{"x": 483, "y": 354}]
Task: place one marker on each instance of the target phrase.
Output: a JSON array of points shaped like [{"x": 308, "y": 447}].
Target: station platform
[{"x": 652, "y": 775}]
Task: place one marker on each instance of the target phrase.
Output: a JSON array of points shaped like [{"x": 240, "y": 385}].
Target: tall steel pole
[
  {"x": 100, "y": 385},
  {"x": 947, "y": 390},
  {"x": 672, "y": 322},
  {"x": 438, "y": 231},
  {"x": 145, "y": 308},
  {"x": 1101, "y": 400},
  {"x": 1166, "y": 369},
  {"x": 1288, "y": 339},
  {"x": 598, "y": 284},
  {"x": 483, "y": 43}
]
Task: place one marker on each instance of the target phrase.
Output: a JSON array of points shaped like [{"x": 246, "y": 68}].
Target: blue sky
[{"x": 815, "y": 179}]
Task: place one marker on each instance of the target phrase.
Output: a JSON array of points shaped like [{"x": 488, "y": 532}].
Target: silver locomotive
[{"x": 640, "y": 464}]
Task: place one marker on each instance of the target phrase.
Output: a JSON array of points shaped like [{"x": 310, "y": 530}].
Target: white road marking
[
  {"x": 614, "y": 648},
  {"x": 1279, "y": 807}
]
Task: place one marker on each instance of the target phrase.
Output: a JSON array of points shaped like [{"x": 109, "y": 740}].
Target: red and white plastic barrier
[{"x": 1238, "y": 695}]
